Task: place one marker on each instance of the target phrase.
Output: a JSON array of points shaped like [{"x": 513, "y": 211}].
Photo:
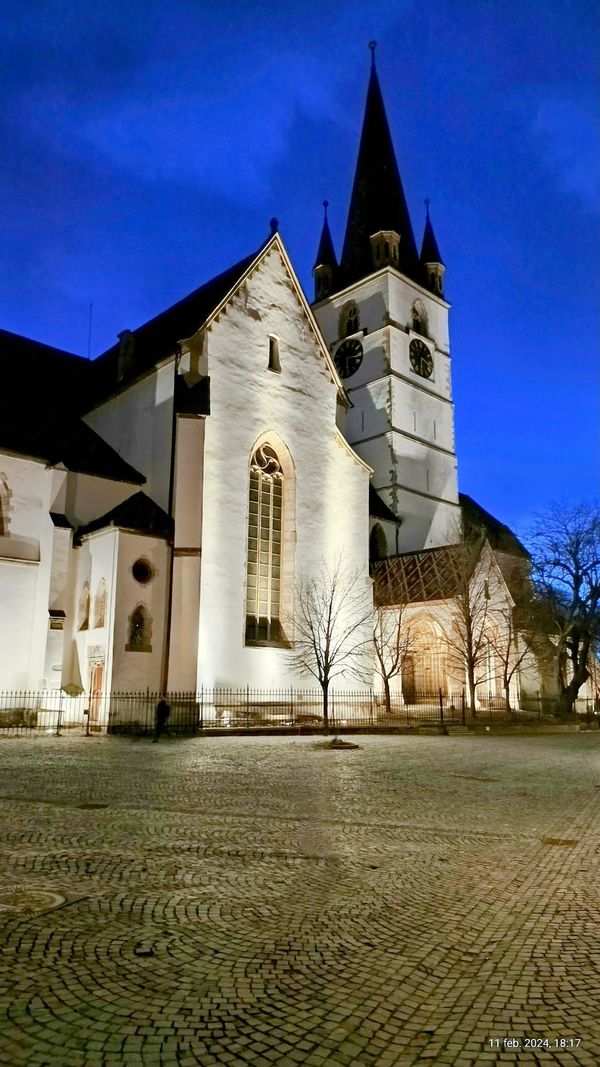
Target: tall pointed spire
[
  {"x": 378, "y": 204},
  {"x": 326, "y": 264}
]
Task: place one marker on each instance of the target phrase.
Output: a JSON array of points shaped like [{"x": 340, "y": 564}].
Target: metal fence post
[
  {"x": 441, "y": 695},
  {"x": 462, "y": 706}
]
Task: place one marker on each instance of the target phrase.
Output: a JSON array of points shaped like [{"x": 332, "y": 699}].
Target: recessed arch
[
  {"x": 377, "y": 543},
  {"x": 100, "y": 604},
  {"x": 5, "y": 504},
  {"x": 349, "y": 319},
  {"x": 420, "y": 318},
  {"x": 139, "y": 630}
]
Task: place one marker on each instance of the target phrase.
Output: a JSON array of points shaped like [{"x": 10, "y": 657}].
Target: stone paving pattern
[{"x": 262, "y": 900}]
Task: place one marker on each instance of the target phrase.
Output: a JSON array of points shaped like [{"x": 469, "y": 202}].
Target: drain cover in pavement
[{"x": 21, "y": 898}]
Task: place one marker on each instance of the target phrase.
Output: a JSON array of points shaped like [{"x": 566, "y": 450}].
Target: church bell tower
[{"x": 383, "y": 314}]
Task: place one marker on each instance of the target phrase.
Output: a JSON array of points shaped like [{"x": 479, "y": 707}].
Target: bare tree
[
  {"x": 512, "y": 646},
  {"x": 392, "y": 643},
  {"x": 332, "y": 634},
  {"x": 470, "y": 613},
  {"x": 565, "y": 550}
]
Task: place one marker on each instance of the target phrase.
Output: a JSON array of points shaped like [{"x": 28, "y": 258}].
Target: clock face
[
  {"x": 348, "y": 357},
  {"x": 421, "y": 359}
]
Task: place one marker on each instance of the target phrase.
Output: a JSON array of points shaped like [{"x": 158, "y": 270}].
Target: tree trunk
[
  {"x": 472, "y": 692},
  {"x": 388, "y": 699},
  {"x": 325, "y": 686}
]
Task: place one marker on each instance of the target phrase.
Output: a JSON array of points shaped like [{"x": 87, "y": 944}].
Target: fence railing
[{"x": 223, "y": 710}]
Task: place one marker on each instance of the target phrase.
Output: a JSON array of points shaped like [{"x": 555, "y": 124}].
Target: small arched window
[
  {"x": 349, "y": 320},
  {"x": 100, "y": 604},
  {"x": 5, "y": 495},
  {"x": 377, "y": 543},
  {"x": 420, "y": 321},
  {"x": 140, "y": 631},
  {"x": 263, "y": 567},
  {"x": 84, "y": 607}
]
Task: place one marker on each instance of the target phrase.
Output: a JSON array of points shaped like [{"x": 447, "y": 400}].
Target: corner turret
[
  {"x": 431, "y": 260},
  {"x": 326, "y": 265}
]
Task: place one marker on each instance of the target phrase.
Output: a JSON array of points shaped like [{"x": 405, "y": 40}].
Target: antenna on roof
[{"x": 90, "y": 330}]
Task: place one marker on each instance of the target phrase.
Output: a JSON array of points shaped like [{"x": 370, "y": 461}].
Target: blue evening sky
[{"x": 145, "y": 146}]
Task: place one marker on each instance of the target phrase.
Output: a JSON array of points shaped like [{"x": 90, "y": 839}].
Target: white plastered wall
[{"x": 296, "y": 407}]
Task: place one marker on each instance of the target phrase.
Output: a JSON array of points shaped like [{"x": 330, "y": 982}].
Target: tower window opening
[
  {"x": 349, "y": 320},
  {"x": 420, "y": 321},
  {"x": 274, "y": 363}
]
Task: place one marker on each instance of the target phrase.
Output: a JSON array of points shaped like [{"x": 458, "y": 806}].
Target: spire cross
[
  {"x": 372, "y": 46},
  {"x": 326, "y": 205},
  {"x": 427, "y": 203}
]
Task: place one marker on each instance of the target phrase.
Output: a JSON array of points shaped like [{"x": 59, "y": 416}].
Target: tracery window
[
  {"x": 263, "y": 569},
  {"x": 349, "y": 320}
]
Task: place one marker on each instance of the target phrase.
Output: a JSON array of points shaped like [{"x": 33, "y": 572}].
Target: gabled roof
[
  {"x": 138, "y": 514},
  {"x": 377, "y": 201}
]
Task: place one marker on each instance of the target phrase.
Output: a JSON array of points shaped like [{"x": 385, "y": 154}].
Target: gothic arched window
[
  {"x": 349, "y": 320},
  {"x": 263, "y": 589},
  {"x": 140, "y": 631},
  {"x": 100, "y": 604}
]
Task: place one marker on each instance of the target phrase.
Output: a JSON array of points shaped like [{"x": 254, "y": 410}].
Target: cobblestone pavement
[{"x": 263, "y": 900}]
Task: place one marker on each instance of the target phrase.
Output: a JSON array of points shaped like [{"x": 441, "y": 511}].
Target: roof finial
[
  {"x": 274, "y": 224},
  {"x": 427, "y": 203},
  {"x": 372, "y": 46},
  {"x": 326, "y": 205}
]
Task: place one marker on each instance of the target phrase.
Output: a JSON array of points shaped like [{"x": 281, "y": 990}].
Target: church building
[{"x": 161, "y": 505}]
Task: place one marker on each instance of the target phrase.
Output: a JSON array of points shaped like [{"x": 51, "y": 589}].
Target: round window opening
[{"x": 142, "y": 571}]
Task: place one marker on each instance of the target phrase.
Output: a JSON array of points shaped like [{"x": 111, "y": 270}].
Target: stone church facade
[{"x": 160, "y": 505}]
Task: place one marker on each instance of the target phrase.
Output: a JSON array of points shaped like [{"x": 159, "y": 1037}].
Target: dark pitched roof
[
  {"x": 44, "y": 391},
  {"x": 500, "y": 537},
  {"x": 156, "y": 339},
  {"x": 34, "y": 373},
  {"x": 56, "y": 439},
  {"x": 138, "y": 513},
  {"x": 377, "y": 201},
  {"x": 433, "y": 574},
  {"x": 430, "y": 252},
  {"x": 326, "y": 252},
  {"x": 378, "y": 508}
]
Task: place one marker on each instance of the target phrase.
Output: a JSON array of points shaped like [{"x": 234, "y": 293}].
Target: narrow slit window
[{"x": 274, "y": 363}]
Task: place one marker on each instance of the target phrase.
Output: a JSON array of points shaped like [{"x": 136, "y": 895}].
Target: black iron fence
[{"x": 225, "y": 710}]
